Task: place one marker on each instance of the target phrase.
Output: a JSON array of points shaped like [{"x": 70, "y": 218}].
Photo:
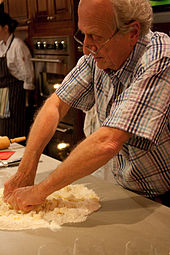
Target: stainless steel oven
[{"x": 53, "y": 58}]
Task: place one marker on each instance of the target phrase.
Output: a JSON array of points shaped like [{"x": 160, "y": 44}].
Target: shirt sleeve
[
  {"x": 77, "y": 89},
  {"x": 22, "y": 67},
  {"x": 142, "y": 109}
]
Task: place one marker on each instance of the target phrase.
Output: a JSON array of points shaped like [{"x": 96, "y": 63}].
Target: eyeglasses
[{"x": 87, "y": 47}]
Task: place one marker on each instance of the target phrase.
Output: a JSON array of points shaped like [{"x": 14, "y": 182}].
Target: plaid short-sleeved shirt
[{"x": 134, "y": 99}]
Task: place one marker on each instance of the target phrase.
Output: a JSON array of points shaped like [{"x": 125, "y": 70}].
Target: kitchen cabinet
[
  {"x": 43, "y": 17},
  {"x": 19, "y": 10},
  {"x": 50, "y": 17},
  {"x": 63, "y": 9},
  {"x": 52, "y": 10}
]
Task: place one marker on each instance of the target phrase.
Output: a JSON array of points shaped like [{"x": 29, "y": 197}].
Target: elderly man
[{"x": 125, "y": 73}]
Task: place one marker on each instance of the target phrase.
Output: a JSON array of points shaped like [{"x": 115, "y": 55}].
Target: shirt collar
[
  {"x": 9, "y": 40},
  {"x": 5, "y": 45}
]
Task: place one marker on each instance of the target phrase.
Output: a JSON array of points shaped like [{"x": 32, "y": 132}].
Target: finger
[
  {"x": 24, "y": 206},
  {"x": 13, "y": 204},
  {"x": 28, "y": 208},
  {"x": 6, "y": 193},
  {"x": 5, "y": 198},
  {"x": 14, "y": 200}
]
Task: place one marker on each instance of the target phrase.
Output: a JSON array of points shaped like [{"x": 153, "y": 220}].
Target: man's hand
[
  {"x": 26, "y": 198},
  {"x": 16, "y": 181}
]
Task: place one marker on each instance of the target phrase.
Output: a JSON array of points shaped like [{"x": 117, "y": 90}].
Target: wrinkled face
[{"x": 97, "y": 23}]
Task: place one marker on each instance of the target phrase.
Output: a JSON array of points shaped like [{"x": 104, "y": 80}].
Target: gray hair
[{"x": 126, "y": 11}]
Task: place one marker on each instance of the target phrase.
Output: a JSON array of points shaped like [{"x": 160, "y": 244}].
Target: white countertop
[{"x": 127, "y": 224}]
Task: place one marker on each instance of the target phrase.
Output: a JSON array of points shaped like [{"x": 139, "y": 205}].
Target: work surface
[{"x": 127, "y": 224}]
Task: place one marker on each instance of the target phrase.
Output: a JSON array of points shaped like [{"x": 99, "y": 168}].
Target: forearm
[
  {"x": 41, "y": 132},
  {"x": 88, "y": 156}
]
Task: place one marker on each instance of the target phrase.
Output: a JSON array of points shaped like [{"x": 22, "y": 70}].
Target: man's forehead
[
  {"x": 98, "y": 5},
  {"x": 99, "y": 12},
  {"x": 97, "y": 8},
  {"x": 95, "y": 2}
]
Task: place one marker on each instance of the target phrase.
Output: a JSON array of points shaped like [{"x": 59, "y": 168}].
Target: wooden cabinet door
[
  {"x": 19, "y": 10},
  {"x": 41, "y": 12},
  {"x": 52, "y": 10},
  {"x": 52, "y": 16},
  {"x": 61, "y": 9}
]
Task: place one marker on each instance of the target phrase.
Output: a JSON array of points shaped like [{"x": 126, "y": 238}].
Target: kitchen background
[{"x": 47, "y": 27}]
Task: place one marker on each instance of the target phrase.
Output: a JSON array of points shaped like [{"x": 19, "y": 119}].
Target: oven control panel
[
  {"x": 60, "y": 45},
  {"x": 54, "y": 45}
]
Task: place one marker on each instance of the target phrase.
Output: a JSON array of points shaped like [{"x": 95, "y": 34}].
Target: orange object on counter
[{"x": 5, "y": 141}]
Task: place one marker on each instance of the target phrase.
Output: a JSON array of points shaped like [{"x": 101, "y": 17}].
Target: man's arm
[
  {"x": 43, "y": 129},
  {"x": 88, "y": 156},
  {"x": 95, "y": 151}
]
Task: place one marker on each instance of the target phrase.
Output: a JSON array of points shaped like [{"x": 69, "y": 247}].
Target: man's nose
[
  {"x": 86, "y": 51},
  {"x": 89, "y": 43}
]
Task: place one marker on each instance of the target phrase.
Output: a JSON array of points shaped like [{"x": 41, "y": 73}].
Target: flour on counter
[{"x": 71, "y": 204}]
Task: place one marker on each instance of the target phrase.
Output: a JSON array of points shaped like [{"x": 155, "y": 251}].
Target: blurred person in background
[{"x": 16, "y": 79}]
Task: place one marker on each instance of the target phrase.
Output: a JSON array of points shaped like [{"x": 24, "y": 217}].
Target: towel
[
  {"x": 4, "y": 155},
  {"x": 4, "y": 103}
]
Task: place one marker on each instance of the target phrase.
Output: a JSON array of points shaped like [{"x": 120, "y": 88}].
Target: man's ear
[{"x": 134, "y": 32}]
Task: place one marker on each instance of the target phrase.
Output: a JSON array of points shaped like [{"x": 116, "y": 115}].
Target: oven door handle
[
  {"x": 46, "y": 60},
  {"x": 63, "y": 130},
  {"x": 41, "y": 80}
]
